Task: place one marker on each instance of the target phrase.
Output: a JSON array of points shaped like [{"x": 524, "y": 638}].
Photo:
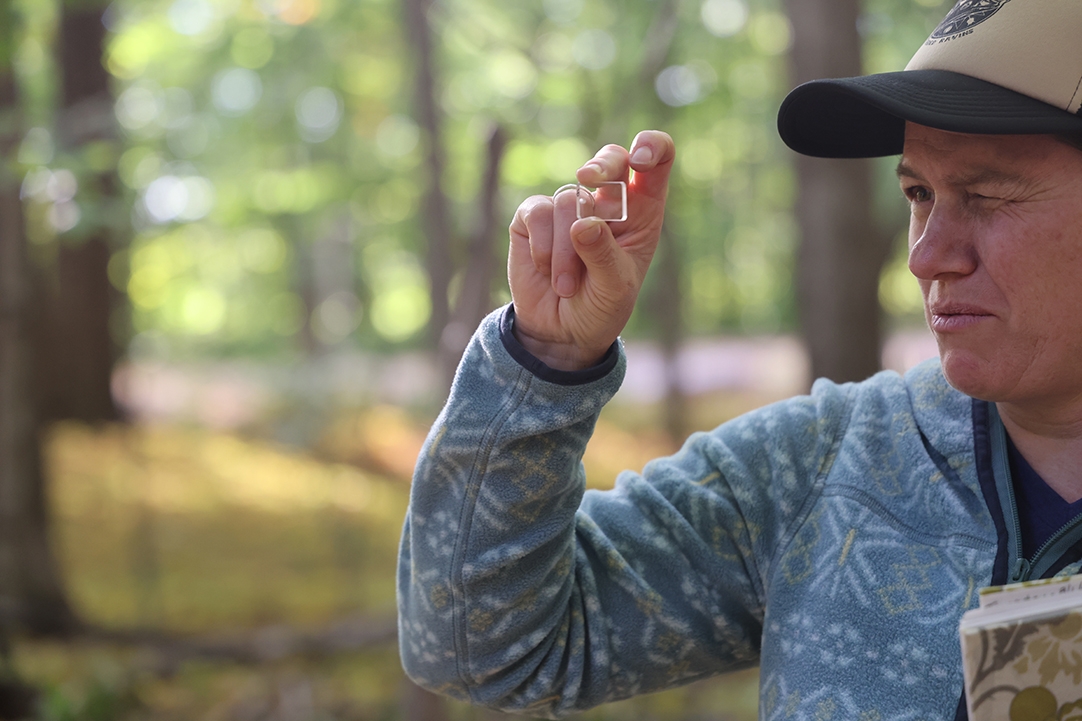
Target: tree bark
[
  {"x": 475, "y": 297},
  {"x": 31, "y": 594},
  {"x": 75, "y": 349},
  {"x": 841, "y": 253},
  {"x": 437, "y": 217},
  {"x": 666, "y": 306}
]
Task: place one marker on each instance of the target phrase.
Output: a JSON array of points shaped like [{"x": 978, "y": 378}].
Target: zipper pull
[{"x": 1021, "y": 570}]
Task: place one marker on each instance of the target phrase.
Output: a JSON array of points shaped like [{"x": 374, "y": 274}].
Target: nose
[{"x": 941, "y": 245}]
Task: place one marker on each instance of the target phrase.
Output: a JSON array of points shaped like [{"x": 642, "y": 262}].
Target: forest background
[{"x": 243, "y": 244}]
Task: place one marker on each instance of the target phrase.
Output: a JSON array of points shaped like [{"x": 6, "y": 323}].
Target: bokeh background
[{"x": 243, "y": 244}]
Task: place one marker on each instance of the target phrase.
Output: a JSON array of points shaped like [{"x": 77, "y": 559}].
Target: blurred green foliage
[
  {"x": 272, "y": 175},
  {"x": 273, "y": 172}
]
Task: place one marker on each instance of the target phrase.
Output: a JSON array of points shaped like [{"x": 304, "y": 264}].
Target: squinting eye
[{"x": 917, "y": 194}]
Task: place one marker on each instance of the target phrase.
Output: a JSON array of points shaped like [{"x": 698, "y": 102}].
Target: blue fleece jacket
[{"x": 835, "y": 539}]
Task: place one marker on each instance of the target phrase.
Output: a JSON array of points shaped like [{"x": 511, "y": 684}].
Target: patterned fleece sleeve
[{"x": 517, "y": 591}]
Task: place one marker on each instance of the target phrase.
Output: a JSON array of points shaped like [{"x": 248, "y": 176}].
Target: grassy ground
[{"x": 201, "y": 532}]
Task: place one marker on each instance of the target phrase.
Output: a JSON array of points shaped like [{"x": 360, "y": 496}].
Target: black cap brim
[{"x": 865, "y": 117}]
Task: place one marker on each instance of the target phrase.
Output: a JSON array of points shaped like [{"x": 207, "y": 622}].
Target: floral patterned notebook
[{"x": 1022, "y": 652}]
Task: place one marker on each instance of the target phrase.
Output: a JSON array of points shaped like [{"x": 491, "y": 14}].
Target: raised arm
[{"x": 515, "y": 591}]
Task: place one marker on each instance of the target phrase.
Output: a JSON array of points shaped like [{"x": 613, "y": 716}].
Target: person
[{"x": 834, "y": 539}]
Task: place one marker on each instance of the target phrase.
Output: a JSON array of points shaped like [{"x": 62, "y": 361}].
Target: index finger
[
  {"x": 651, "y": 157},
  {"x": 608, "y": 164}
]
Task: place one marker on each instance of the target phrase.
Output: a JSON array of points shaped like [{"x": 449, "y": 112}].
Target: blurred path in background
[{"x": 236, "y": 394}]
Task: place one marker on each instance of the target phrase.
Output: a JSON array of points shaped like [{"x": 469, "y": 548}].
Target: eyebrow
[
  {"x": 977, "y": 176},
  {"x": 906, "y": 169}
]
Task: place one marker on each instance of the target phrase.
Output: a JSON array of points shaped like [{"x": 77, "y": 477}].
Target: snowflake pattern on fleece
[{"x": 835, "y": 539}]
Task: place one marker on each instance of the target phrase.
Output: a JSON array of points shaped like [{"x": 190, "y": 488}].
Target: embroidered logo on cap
[{"x": 966, "y": 14}]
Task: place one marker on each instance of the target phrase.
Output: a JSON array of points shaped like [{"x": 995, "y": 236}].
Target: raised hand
[{"x": 574, "y": 282}]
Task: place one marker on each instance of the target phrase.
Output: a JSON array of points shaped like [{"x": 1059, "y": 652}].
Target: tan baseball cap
[{"x": 991, "y": 67}]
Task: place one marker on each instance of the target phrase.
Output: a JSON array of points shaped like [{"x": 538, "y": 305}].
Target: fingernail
[
  {"x": 589, "y": 232},
  {"x": 596, "y": 167},
  {"x": 642, "y": 155},
  {"x": 565, "y": 285}
]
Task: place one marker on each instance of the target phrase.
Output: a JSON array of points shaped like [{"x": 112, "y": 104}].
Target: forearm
[{"x": 486, "y": 583}]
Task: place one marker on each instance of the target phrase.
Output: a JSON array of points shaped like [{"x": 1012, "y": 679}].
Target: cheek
[
  {"x": 1042, "y": 271},
  {"x": 1064, "y": 254},
  {"x": 1040, "y": 298}
]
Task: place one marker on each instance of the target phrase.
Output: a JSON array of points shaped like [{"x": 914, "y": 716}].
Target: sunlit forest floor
[{"x": 205, "y": 533}]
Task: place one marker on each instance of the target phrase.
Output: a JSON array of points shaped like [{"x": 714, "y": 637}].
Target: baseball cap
[{"x": 990, "y": 67}]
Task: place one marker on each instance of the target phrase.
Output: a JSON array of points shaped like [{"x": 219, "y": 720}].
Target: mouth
[{"x": 952, "y": 317}]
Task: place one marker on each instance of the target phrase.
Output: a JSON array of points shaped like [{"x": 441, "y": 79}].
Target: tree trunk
[
  {"x": 475, "y": 298},
  {"x": 666, "y": 306},
  {"x": 73, "y": 346},
  {"x": 437, "y": 217},
  {"x": 31, "y": 593},
  {"x": 18, "y": 700},
  {"x": 75, "y": 349},
  {"x": 841, "y": 252}
]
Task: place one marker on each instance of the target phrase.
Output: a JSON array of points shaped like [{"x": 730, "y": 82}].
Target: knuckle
[{"x": 535, "y": 209}]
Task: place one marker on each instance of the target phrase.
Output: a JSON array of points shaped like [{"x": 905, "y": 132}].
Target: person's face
[{"x": 995, "y": 239}]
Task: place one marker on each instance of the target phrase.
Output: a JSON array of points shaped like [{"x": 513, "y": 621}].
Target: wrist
[
  {"x": 538, "y": 368},
  {"x": 560, "y": 356},
  {"x": 557, "y": 355}
]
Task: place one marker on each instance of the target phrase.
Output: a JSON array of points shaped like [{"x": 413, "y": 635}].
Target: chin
[{"x": 973, "y": 376}]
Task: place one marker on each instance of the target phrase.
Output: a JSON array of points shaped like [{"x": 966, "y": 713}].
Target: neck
[{"x": 1051, "y": 442}]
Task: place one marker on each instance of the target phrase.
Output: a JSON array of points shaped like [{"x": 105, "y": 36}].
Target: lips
[{"x": 953, "y": 317}]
